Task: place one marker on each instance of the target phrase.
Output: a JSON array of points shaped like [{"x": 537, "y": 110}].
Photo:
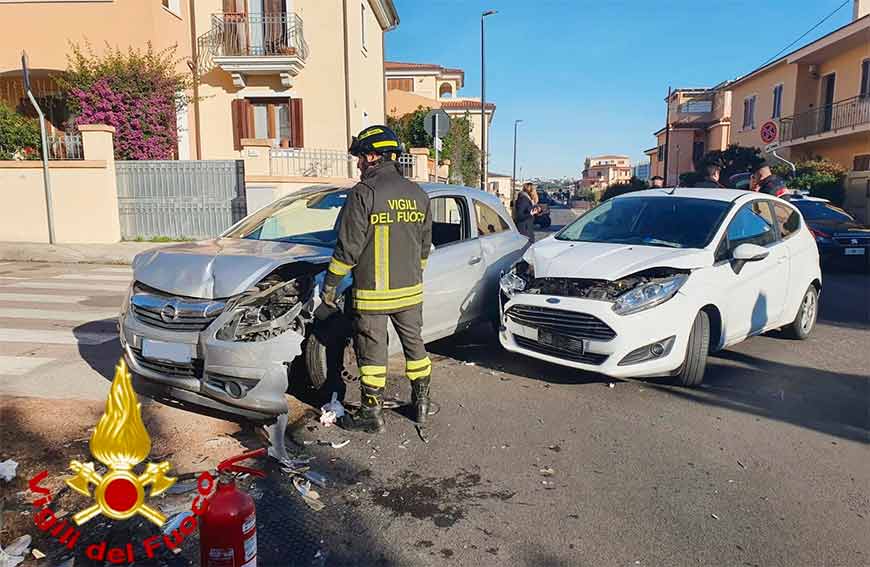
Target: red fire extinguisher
[{"x": 228, "y": 528}]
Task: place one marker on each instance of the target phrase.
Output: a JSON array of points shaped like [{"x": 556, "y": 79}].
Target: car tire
[
  {"x": 691, "y": 372},
  {"x": 806, "y": 317},
  {"x": 328, "y": 353}
]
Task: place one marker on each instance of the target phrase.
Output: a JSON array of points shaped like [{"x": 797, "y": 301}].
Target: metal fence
[
  {"x": 406, "y": 165},
  {"x": 65, "y": 147},
  {"x": 179, "y": 199},
  {"x": 308, "y": 162},
  {"x": 843, "y": 114}
]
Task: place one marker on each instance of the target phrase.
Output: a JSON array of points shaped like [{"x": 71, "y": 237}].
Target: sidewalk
[{"x": 119, "y": 253}]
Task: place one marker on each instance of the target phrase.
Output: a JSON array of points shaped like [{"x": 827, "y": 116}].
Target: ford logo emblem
[
  {"x": 553, "y": 300},
  {"x": 169, "y": 313}
]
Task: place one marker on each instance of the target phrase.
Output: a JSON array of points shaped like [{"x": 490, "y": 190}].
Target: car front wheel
[
  {"x": 805, "y": 320},
  {"x": 691, "y": 372}
]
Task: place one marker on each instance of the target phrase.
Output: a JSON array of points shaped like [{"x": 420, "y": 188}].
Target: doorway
[{"x": 827, "y": 101}]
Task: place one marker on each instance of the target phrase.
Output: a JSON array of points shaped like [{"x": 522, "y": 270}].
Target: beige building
[
  {"x": 297, "y": 73},
  {"x": 700, "y": 121},
  {"x": 601, "y": 171},
  {"x": 818, "y": 96},
  {"x": 500, "y": 184},
  {"x": 414, "y": 85}
]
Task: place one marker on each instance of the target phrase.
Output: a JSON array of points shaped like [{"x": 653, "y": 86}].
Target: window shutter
[
  {"x": 241, "y": 112},
  {"x": 297, "y": 139}
]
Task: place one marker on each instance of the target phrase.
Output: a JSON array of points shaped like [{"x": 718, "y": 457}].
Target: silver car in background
[{"x": 218, "y": 324}]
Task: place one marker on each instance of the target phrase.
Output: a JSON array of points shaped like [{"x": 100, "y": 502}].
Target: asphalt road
[{"x": 527, "y": 463}]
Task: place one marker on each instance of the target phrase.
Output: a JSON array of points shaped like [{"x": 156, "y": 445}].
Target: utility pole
[
  {"x": 667, "y": 136},
  {"x": 514, "y": 172},
  {"x": 483, "y": 124}
]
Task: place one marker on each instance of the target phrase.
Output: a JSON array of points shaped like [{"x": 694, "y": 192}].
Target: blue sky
[{"x": 590, "y": 77}]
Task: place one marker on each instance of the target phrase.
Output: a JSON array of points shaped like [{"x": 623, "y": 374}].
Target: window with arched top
[{"x": 446, "y": 90}]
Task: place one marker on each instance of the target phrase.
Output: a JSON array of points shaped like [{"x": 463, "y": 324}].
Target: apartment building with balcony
[
  {"x": 292, "y": 73},
  {"x": 414, "y": 85},
  {"x": 601, "y": 171},
  {"x": 819, "y": 95},
  {"x": 699, "y": 121}
]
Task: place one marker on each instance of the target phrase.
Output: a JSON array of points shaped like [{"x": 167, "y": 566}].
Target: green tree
[
  {"x": 616, "y": 189},
  {"x": 409, "y": 129},
  {"x": 733, "y": 160},
  {"x": 18, "y": 135},
  {"x": 463, "y": 153},
  {"x": 821, "y": 177}
]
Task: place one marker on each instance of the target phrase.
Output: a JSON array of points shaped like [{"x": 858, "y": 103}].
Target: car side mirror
[{"x": 748, "y": 253}]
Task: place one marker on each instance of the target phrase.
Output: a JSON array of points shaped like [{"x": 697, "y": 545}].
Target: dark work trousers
[{"x": 370, "y": 344}]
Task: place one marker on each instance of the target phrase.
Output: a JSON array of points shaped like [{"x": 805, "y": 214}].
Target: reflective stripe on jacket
[{"x": 384, "y": 238}]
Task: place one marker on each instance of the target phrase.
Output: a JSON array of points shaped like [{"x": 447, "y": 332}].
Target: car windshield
[
  {"x": 306, "y": 219},
  {"x": 819, "y": 211},
  {"x": 674, "y": 222}
]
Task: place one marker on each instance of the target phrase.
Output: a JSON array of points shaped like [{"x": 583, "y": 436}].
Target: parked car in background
[
  {"x": 838, "y": 235},
  {"x": 648, "y": 283},
  {"x": 218, "y": 324}
]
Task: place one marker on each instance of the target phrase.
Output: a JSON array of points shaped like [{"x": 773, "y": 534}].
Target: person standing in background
[{"x": 525, "y": 209}]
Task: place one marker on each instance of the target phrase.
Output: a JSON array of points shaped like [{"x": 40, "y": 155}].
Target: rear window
[{"x": 817, "y": 210}]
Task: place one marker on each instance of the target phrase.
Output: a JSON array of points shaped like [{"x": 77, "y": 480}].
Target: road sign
[
  {"x": 771, "y": 147},
  {"x": 443, "y": 123},
  {"x": 769, "y": 132},
  {"x": 439, "y": 144}
]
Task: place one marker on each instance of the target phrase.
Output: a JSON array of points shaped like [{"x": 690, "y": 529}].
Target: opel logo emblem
[
  {"x": 553, "y": 300},
  {"x": 169, "y": 313}
]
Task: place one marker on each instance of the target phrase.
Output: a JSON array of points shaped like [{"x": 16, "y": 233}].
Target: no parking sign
[{"x": 769, "y": 132}]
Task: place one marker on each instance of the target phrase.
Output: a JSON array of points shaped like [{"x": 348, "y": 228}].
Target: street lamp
[
  {"x": 514, "y": 172},
  {"x": 483, "y": 101}
]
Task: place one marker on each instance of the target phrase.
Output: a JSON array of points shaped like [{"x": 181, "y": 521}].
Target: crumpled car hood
[
  {"x": 553, "y": 258},
  {"x": 218, "y": 268}
]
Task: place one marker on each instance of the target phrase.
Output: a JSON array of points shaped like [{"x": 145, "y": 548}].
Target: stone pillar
[
  {"x": 421, "y": 164},
  {"x": 255, "y": 152},
  {"x": 96, "y": 202}
]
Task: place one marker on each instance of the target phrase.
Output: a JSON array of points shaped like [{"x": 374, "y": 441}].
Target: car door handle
[{"x": 475, "y": 260}]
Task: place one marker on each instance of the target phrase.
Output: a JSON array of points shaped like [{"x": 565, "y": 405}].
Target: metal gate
[{"x": 179, "y": 199}]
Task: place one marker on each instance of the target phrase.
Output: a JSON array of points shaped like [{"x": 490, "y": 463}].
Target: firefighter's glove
[{"x": 328, "y": 296}]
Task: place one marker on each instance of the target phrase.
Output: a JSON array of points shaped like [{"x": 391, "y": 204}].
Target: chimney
[{"x": 860, "y": 8}]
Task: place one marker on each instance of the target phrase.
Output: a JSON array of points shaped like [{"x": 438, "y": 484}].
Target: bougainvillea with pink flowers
[{"x": 138, "y": 92}]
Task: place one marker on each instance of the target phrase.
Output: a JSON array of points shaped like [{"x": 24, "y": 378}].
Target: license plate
[
  {"x": 172, "y": 352},
  {"x": 854, "y": 251},
  {"x": 561, "y": 342}
]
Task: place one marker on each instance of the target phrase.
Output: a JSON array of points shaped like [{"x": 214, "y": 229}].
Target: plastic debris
[
  {"x": 316, "y": 477},
  {"x": 37, "y": 554},
  {"x": 332, "y": 411},
  {"x": 611, "y": 385},
  {"x": 7, "y": 469},
  {"x": 339, "y": 444},
  {"x": 309, "y": 495},
  {"x": 547, "y": 471},
  {"x": 715, "y": 517},
  {"x": 742, "y": 466},
  {"x": 469, "y": 364},
  {"x": 15, "y": 551},
  {"x": 421, "y": 431}
]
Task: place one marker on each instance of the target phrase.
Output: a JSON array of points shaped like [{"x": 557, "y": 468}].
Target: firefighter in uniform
[{"x": 384, "y": 239}]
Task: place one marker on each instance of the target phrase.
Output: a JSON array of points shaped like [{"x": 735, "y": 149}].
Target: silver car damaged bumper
[{"x": 244, "y": 379}]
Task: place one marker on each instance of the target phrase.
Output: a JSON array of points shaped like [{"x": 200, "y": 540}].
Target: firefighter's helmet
[{"x": 375, "y": 140}]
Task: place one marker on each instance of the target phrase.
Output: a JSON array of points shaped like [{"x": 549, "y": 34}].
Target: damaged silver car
[{"x": 227, "y": 324}]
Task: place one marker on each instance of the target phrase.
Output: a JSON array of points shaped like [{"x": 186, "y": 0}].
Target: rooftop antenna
[{"x": 677, "y": 184}]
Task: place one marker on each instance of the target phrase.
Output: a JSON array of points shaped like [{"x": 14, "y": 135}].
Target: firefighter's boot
[
  {"x": 369, "y": 417},
  {"x": 420, "y": 398}
]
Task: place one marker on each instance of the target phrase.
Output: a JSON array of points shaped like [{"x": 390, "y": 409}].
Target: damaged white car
[
  {"x": 648, "y": 283},
  {"x": 219, "y": 324}
]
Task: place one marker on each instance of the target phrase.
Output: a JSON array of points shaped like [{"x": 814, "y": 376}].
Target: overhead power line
[{"x": 806, "y": 33}]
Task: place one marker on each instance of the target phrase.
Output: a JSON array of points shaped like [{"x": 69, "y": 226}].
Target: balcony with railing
[
  {"x": 845, "y": 116},
  {"x": 253, "y": 44}
]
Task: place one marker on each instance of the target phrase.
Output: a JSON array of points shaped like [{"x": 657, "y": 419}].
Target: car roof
[
  {"x": 710, "y": 194},
  {"x": 428, "y": 187}
]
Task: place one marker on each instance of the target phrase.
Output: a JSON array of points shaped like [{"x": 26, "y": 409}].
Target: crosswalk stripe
[
  {"x": 36, "y": 298},
  {"x": 57, "y": 337},
  {"x": 52, "y": 315},
  {"x": 16, "y": 278},
  {"x": 18, "y": 365},
  {"x": 83, "y": 286},
  {"x": 94, "y": 277},
  {"x": 114, "y": 270}
]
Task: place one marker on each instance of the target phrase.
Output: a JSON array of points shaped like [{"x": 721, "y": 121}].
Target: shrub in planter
[
  {"x": 821, "y": 177},
  {"x": 19, "y": 135}
]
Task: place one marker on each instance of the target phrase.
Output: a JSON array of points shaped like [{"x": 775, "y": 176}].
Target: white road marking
[
  {"x": 83, "y": 286},
  {"x": 60, "y": 337},
  {"x": 95, "y": 277},
  {"x": 18, "y": 365},
  {"x": 34, "y": 298},
  {"x": 83, "y": 316},
  {"x": 114, "y": 270},
  {"x": 11, "y": 278}
]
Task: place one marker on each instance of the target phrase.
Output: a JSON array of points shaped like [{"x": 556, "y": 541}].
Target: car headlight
[
  {"x": 516, "y": 280},
  {"x": 267, "y": 312},
  {"x": 648, "y": 295}
]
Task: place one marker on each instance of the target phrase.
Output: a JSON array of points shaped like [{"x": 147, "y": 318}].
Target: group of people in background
[{"x": 761, "y": 179}]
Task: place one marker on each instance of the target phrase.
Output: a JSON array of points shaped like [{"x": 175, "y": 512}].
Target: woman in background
[{"x": 525, "y": 209}]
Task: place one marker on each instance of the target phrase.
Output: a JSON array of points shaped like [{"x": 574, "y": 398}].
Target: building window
[
  {"x": 446, "y": 90},
  {"x": 276, "y": 119},
  {"x": 400, "y": 85},
  {"x": 363, "y": 25},
  {"x": 865, "y": 78},
  {"x": 661, "y": 153},
  {"x": 697, "y": 152},
  {"x": 749, "y": 112},
  {"x": 862, "y": 163},
  {"x": 696, "y": 107},
  {"x": 777, "y": 101},
  {"x": 173, "y": 6}
]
